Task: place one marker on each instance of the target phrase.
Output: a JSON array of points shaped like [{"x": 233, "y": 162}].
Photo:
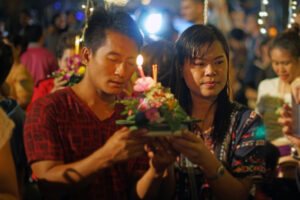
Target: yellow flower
[{"x": 81, "y": 70}]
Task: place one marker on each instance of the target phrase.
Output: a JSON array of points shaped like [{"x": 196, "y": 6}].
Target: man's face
[
  {"x": 110, "y": 67},
  {"x": 190, "y": 10}
]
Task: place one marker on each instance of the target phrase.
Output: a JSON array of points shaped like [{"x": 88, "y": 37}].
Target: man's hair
[
  {"x": 33, "y": 33},
  {"x": 102, "y": 21},
  {"x": 6, "y": 60},
  {"x": 65, "y": 41}
]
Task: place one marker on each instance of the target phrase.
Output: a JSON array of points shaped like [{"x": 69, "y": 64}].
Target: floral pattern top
[{"x": 241, "y": 152}]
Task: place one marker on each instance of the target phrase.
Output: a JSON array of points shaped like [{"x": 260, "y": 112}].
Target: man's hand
[
  {"x": 59, "y": 83},
  {"x": 124, "y": 144},
  {"x": 161, "y": 155}
]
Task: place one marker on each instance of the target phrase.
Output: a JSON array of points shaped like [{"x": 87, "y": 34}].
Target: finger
[
  {"x": 286, "y": 111},
  {"x": 287, "y": 130},
  {"x": 167, "y": 146},
  {"x": 62, "y": 82},
  {"x": 138, "y": 132},
  {"x": 285, "y": 121},
  {"x": 190, "y": 136}
]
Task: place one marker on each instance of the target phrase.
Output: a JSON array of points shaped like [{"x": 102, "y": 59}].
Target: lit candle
[
  {"x": 139, "y": 62},
  {"x": 77, "y": 42},
  {"x": 154, "y": 73}
]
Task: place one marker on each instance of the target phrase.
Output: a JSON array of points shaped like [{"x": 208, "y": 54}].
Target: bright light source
[
  {"x": 139, "y": 60},
  {"x": 260, "y": 21},
  {"x": 91, "y": 9},
  {"x": 263, "y": 14},
  {"x": 289, "y": 26},
  {"x": 83, "y": 6},
  {"x": 294, "y": 2},
  {"x": 292, "y": 20},
  {"x": 153, "y": 23},
  {"x": 265, "y": 2},
  {"x": 146, "y": 2},
  {"x": 294, "y": 15},
  {"x": 263, "y": 30}
]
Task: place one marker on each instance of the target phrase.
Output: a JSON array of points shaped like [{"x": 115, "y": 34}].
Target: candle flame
[{"x": 139, "y": 60}]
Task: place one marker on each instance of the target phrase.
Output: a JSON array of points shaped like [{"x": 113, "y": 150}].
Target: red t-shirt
[
  {"x": 61, "y": 127},
  {"x": 43, "y": 87}
]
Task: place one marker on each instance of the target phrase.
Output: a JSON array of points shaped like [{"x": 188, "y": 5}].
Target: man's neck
[{"x": 89, "y": 95}]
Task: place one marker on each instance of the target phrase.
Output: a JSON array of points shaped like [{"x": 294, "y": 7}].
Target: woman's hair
[
  {"x": 65, "y": 41},
  {"x": 194, "y": 41},
  {"x": 288, "y": 40},
  {"x": 162, "y": 53},
  {"x": 102, "y": 21},
  {"x": 6, "y": 60}
]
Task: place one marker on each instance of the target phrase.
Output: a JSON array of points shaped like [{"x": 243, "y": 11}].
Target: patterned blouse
[{"x": 241, "y": 152}]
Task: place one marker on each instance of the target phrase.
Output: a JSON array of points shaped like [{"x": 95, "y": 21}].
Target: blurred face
[
  {"x": 63, "y": 61},
  {"x": 190, "y": 10},
  {"x": 111, "y": 66},
  {"x": 285, "y": 66},
  {"x": 206, "y": 76},
  {"x": 61, "y": 21}
]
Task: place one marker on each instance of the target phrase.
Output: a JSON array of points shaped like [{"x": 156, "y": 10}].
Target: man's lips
[{"x": 117, "y": 83}]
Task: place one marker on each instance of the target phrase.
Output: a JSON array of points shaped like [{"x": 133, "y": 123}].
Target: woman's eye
[
  {"x": 286, "y": 63},
  {"x": 219, "y": 62},
  {"x": 199, "y": 63}
]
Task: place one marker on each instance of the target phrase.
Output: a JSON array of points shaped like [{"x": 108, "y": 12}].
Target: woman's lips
[
  {"x": 210, "y": 84},
  {"x": 284, "y": 76}
]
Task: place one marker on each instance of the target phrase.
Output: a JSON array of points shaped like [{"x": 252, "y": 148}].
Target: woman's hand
[
  {"x": 295, "y": 86},
  {"x": 189, "y": 145},
  {"x": 161, "y": 155},
  {"x": 59, "y": 83},
  {"x": 286, "y": 121}
]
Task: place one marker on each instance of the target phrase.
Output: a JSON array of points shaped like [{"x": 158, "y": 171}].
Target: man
[
  {"x": 39, "y": 61},
  {"x": 192, "y": 11},
  {"x": 73, "y": 144}
]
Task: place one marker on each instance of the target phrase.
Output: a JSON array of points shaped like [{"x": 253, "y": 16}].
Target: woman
[
  {"x": 19, "y": 78},
  {"x": 221, "y": 156},
  {"x": 273, "y": 93}
]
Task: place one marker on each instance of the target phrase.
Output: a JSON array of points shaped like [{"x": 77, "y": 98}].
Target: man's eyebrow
[{"x": 118, "y": 54}]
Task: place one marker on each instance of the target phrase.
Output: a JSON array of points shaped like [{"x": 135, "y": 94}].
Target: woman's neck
[
  {"x": 204, "y": 109},
  {"x": 284, "y": 88}
]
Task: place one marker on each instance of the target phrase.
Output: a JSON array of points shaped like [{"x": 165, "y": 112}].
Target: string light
[
  {"x": 116, "y": 2},
  {"x": 205, "y": 13},
  {"x": 292, "y": 12},
  {"x": 262, "y": 16}
]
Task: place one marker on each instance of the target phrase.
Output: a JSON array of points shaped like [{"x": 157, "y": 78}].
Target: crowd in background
[{"x": 258, "y": 72}]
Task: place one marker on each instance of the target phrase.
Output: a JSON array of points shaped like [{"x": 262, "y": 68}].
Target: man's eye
[{"x": 112, "y": 58}]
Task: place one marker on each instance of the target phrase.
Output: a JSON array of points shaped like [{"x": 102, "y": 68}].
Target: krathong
[{"x": 155, "y": 108}]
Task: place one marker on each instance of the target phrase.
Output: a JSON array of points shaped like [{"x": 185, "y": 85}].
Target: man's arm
[{"x": 64, "y": 178}]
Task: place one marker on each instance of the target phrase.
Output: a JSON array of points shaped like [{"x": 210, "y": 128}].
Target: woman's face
[
  {"x": 63, "y": 61},
  {"x": 206, "y": 76},
  {"x": 284, "y": 64}
]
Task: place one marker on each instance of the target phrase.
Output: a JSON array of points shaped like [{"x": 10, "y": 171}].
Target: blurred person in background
[
  {"x": 57, "y": 27},
  {"x": 192, "y": 11},
  {"x": 8, "y": 179},
  {"x": 64, "y": 51},
  {"x": 38, "y": 60},
  {"x": 273, "y": 93},
  {"x": 19, "y": 79},
  {"x": 16, "y": 114}
]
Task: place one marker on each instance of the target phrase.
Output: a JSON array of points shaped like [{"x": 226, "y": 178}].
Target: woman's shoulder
[
  {"x": 244, "y": 116},
  {"x": 269, "y": 83},
  {"x": 6, "y": 125}
]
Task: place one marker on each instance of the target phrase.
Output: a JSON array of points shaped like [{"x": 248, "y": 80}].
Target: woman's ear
[{"x": 86, "y": 54}]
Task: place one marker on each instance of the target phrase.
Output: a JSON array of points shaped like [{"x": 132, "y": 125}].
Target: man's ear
[{"x": 86, "y": 54}]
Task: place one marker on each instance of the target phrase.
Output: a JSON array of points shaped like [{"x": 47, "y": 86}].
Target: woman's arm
[{"x": 224, "y": 185}]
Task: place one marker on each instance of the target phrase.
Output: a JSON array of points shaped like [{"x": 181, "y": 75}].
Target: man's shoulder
[{"x": 59, "y": 98}]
